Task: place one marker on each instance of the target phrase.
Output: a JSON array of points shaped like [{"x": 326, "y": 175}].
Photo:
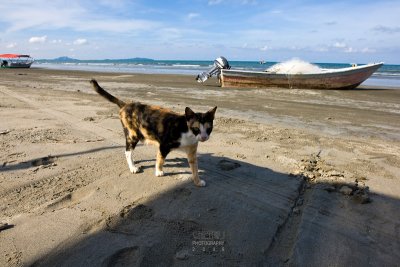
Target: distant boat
[
  {"x": 314, "y": 78},
  {"x": 15, "y": 61}
]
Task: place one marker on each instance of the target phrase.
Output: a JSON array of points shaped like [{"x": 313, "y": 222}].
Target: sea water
[{"x": 386, "y": 76}]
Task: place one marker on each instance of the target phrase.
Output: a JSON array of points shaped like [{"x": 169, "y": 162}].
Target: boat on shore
[
  {"x": 313, "y": 78},
  {"x": 16, "y": 61}
]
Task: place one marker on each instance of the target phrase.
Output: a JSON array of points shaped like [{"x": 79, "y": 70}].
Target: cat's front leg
[
  {"x": 131, "y": 163},
  {"x": 161, "y": 155},
  {"x": 192, "y": 159}
]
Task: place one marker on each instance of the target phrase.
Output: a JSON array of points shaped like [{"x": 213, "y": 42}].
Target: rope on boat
[{"x": 288, "y": 78}]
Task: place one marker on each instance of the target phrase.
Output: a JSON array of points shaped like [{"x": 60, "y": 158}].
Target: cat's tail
[{"x": 106, "y": 95}]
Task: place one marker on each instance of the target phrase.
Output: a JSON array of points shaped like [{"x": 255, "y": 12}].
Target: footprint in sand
[{"x": 227, "y": 165}]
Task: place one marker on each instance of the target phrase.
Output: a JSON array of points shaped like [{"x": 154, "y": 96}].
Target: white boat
[{"x": 344, "y": 78}]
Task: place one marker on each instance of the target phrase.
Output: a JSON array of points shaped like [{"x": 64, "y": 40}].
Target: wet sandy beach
[{"x": 294, "y": 177}]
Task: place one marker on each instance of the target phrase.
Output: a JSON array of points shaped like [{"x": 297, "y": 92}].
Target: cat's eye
[{"x": 195, "y": 130}]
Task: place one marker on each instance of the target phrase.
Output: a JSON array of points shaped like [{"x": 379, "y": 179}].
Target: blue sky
[{"x": 317, "y": 31}]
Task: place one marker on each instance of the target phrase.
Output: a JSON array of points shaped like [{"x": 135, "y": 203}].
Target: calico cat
[{"x": 163, "y": 128}]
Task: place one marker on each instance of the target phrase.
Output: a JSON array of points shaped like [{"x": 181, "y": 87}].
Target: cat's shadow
[{"x": 171, "y": 165}]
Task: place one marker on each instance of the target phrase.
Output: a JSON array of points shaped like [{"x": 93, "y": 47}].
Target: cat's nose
[{"x": 203, "y": 138}]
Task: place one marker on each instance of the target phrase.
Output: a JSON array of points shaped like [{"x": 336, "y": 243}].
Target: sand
[{"x": 294, "y": 177}]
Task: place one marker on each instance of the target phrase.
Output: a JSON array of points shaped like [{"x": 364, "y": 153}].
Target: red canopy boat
[{"x": 15, "y": 61}]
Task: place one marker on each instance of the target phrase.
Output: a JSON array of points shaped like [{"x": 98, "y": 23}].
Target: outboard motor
[{"x": 219, "y": 64}]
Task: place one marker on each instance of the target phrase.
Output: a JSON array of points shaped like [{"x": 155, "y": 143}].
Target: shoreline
[
  {"x": 190, "y": 76},
  {"x": 300, "y": 177},
  {"x": 380, "y": 82}
]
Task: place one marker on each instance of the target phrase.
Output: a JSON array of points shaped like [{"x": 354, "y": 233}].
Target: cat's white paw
[
  {"x": 159, "y": 173},
  {"x": 134, "y": 169},
  {"x": 202, "y": 183}
]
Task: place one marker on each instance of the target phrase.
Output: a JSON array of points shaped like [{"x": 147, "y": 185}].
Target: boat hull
[
  {"x": 15, "y": 61},
  {"x": 348, "y": 78},
  {"x": 18, "y": 66}
]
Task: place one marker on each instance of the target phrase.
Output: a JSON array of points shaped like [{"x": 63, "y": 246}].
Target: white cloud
[
  {"x": 368, "y": 50},
  {"x": 242, "y": 2},
  {"x": 339, "y": 45},
  {"x": 296, "y": 48},
  {"x": 214, "y": 2},
  {"x": 350, "y": 50},
  {"x": 169, "y": 33},
  {"x": 249, "y": 2},
  {"x": 80, "y": 41},
  {"x": 112, "y": 3},
  {"x": 386, "y": 29},
  {"x": 59, "y": 15},
  {"x": 115, "y": 25},
  {"x": 130, "y": 27},
  {"x": 38, "y": 39},
  {"x": 322, "y": 49},
  {"x": 56, "y": 14},
  {"x": 252, "y": 35},
  {"x": 12, "y": 45},
  {"x": 191, "y": 16}
]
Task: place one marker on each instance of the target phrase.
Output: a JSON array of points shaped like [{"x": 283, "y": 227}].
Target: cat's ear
[
  {"x": 211, "y": 112},
  {"x": 189, "y": 114}
]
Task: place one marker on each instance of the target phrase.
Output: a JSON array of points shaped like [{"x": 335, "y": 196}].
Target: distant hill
[
  {"x": 64, "y": 59},
  {"x": 68, "y": 59}
]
